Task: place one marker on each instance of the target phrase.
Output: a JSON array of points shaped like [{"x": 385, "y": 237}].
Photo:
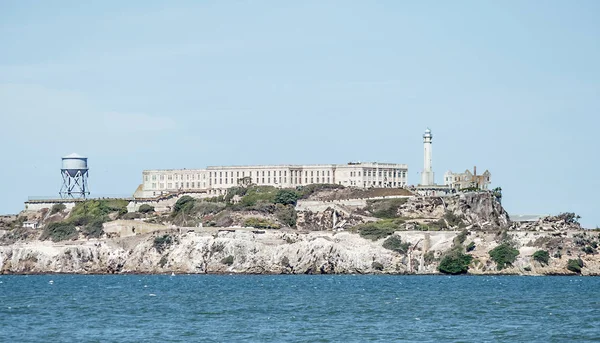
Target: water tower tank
[{"x": 74, "y": 164}]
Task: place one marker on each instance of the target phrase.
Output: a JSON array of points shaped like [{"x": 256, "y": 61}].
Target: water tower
[{"x": 74, "y": 173}]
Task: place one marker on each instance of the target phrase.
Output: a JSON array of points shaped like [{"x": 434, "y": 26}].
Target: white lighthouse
[{"x": 427, "y": 174}]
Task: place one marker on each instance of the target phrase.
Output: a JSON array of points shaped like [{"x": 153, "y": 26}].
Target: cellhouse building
[{"x": 216, "y": 180}]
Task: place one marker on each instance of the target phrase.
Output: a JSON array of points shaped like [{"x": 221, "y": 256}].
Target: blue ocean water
[{"x": 298, "y": 308}]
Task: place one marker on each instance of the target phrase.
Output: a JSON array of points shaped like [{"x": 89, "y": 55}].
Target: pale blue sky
[{"x": 509, "y": 86}]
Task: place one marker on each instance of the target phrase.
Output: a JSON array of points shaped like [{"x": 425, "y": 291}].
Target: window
[
  {"x": 311, "y": 173},
  {"x": 220, "y": 181},
  {"x": 162, "y": 185},
  {"x": 153, "y": 177},
  {"x": 269, "y": 173},
  {"x": 146, "y": 178},
  {"x": 280, "y": 173},
  {"x": 305, "y": 180},
  {"x": 232, "y": 181},
  {"x": 269, "y": 179},
  {"x": 263, "y": 179},
  {"x": 220, "y": 174},
  {"x": 317, "y": 173},
  {"x": 226, "y": 180},
  {"x": 237, "y": 174}
]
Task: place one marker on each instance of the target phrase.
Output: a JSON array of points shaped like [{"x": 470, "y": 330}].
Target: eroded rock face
[
  {"x": 251, "y": 252},
  {"x": 288, "y": 252}
]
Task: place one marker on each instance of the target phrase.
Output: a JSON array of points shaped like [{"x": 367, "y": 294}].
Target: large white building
[{"x": 216, "y": 180}]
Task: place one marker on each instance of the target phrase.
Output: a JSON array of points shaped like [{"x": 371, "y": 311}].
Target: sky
[{"x": 508, "y": 86}]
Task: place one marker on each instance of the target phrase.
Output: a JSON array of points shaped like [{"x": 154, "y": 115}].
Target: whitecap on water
[{"x": 151, "y": 295}]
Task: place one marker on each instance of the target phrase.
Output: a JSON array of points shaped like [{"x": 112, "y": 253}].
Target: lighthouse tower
[{"x": 427, "y": 174}]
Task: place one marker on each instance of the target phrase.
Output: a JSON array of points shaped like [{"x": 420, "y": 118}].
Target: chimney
[{"x": 475, "y": 171}]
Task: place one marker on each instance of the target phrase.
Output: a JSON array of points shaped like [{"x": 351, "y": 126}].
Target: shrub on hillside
[
  {"x": 94, "y": 229},
  {"x": 286, "y": 214},
  {"x": 455, "y": 262},
  {"x": 504, "y": 255},
  {"x": 378, "y": 229},
  {"x": 470, "y": 247},
  {"x": 395, "y": 243},
  {"x": 57, "y": 208},
  {"x": 59, "y": 231},
  {"x": 385, "y": 208},
  {"x": 203, "y": 208},
  {"x": 575, "y": 265},
  {"x": 308, "y": 190},
  {"x": 184, "y": 204},
  {"x": 260, "y": 223},
  {"x": 227, "y": 260},
  {"x": 162, "y": 242},
  {"x": 145, "y": 208},
  {"x": 542, "y": 256},
  {"x": 286, "y": 197}
]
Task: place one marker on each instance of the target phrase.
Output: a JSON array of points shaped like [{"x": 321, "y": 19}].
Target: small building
[
  {"x": 467, "y": 179},
  {"x": 31, "y": 224}
]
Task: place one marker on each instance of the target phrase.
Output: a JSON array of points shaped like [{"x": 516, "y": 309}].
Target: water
[{"x": 321, "y": 308}]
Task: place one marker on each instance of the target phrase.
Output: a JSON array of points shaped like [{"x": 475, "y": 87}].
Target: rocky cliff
[
  {"x": 272, "y": 251},
  {"x": 473, "y": 223}
]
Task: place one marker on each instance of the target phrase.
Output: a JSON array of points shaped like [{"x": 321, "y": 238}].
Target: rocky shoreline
[
  {"x": 322, "y": 234},
  {"x": 273, "y": 252}
]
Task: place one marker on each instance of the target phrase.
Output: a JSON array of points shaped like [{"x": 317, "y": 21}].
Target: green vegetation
[
  {"x": 286, "y": 197},
  {"x": 257, "y": 198},
  {"x": 59, "y": 231},
  {"x": 162, "y": 242},
  {"x": 588, "y": 250},
  {"x": 89, "y": 215},
  {"x": 227, "y": 260},
  {"x": 57, "y": 208},
  {"x": 470, "y": 247},
  {"x": 379, "y": 229},
  {"x": 542, "y": 256},
  {"x": 575, "y": 265},
  {"x": 145, "y": 208},
  {"x": 455, "y": 262},
  {"x": 183, "y": 204},
  {"x": 453, "y": 220},
  {"x": 260, "y": 223},
  {"x": 94, "y": 228},
  {"x": 460, "y": 238},
  {"x": 504, "y": 255},
  {"x": 395, "y": 243},
  {"x": 308, "y": 190},
  {"x": 385, "y": 208},
  {"x": 429, "y": 257},
  {"x": 163, "y": 261},
  {"x": 286, "y": 214},
  {"x": 497, "y": 193},
  {"x": 569, "y": 217}
]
